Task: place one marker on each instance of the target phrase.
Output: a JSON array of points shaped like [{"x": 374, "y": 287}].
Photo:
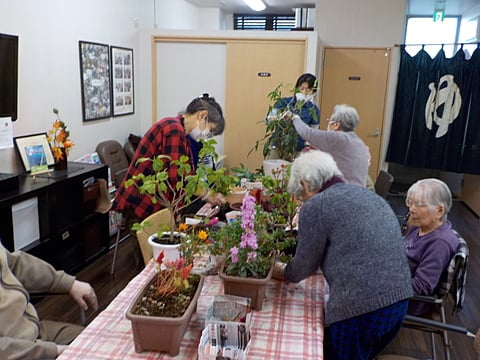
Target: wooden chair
[{"x": 151, "y": 225}]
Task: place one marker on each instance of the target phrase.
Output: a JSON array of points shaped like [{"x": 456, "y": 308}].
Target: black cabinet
[{"x": 71, "y": 233}]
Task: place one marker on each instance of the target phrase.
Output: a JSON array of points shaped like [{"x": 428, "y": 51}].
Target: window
[
  {"x": 263, "y": 22},
  {"x": 423, "y": 30}
]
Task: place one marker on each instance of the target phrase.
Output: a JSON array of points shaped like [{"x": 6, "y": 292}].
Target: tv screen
[{"x": 8, "y": 75}]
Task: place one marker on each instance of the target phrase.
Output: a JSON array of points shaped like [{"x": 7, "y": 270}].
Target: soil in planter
[
  {"x": 167, "y": 240},
  {"x": 152, "y": 304}
]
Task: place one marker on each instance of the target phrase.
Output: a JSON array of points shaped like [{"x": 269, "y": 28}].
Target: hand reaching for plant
[
  {"x": 288, "y": 115},
  {"x": 214, "y": 198},
  {"x": 278, "y": 269}
]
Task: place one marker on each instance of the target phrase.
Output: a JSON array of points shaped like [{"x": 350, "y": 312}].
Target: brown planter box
[
  {"x": 247, "y": 287},
  {"x": 163, "y": 334}
]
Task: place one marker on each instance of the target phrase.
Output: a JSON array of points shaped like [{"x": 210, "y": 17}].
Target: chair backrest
[
  {"x": 151, "y": 225},
  {"x": 454, "y": 279},
  {"x": 383, "y": 183},
  {"x": 131, "y": 145},
  {"x": 112, "y": 154}
]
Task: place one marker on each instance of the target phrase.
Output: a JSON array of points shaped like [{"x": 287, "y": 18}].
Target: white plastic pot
[{"x": 171, "y": 251}]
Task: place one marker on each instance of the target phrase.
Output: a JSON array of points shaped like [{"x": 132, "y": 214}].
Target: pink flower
[
  {"x": 234, "y": 254},
  {"x": 252, "y": 256}
]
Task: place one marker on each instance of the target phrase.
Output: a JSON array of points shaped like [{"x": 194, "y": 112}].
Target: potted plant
[
  {"x": 160, "y": 313},
  {"x": 249, "y": 247},
  {"x": 280, "y": 138},
  {"x": 283, "y": 208},
  {"x": 177, "y": 196},
  {"x": 59, "y": 139}
]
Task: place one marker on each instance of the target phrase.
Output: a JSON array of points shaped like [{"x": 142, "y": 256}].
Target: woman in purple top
[{"x": 430, "y": 242}]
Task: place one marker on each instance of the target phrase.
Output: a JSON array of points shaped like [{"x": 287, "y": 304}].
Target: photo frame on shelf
[
  {"x": 123, "y": 102},
  {"x": 95, "y": 80},
  {"x": 35, "y": 152}
]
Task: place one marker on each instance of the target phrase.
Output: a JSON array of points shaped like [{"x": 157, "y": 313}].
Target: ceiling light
[{"x": 256, "y": 5}]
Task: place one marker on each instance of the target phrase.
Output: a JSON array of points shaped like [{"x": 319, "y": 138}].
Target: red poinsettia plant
[{"x": 59, "y": 138}]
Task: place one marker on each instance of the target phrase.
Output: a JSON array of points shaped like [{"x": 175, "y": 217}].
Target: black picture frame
[
  {"x": 123, "y": 99},
  {"x": 95, "y": 80},
  {"x": 34, "y": 150}
]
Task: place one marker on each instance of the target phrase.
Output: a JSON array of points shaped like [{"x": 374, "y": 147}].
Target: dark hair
[
  {"x": 310, "y": 79},
  {"x": 215, "y": 113}
]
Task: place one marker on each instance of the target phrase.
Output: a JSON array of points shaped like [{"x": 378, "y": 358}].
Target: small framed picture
[
  {"x": 122, "y": 80},
  {"x": 95, "y": 80},
  {"x": 35, "y": 152}
]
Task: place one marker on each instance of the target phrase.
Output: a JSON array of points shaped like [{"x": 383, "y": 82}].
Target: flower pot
[
  {"x": 171, "y": 251},
  {"x": 246, "y": 287},
  {"x": 163, "y": 334},
  {"x": 62, "y": 164},
  {"x": 274, "y": 165}
]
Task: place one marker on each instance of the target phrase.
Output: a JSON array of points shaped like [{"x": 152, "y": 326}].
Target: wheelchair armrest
[
  {"x": 413, "y": 321},
  {"x": 427, "y": 299}
]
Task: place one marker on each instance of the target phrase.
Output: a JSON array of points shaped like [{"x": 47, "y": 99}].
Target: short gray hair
[
  {"x": 346, "y": 116},
  {"x": 434, "y": 193},
  {"x": 314, "y": 167}
]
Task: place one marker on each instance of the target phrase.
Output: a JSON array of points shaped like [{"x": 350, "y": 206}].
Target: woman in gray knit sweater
[{"x": 352, "y": 235}]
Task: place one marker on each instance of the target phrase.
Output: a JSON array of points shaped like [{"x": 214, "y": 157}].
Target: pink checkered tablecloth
[{"x": 289, "y": 327}]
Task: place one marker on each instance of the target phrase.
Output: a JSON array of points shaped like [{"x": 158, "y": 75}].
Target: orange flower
[
  {"x": 203, "y": 235},
  {"x": 58, "y": 138},
  {"x": 185, "y": 272},
  {"x": 182, "y": 227}
]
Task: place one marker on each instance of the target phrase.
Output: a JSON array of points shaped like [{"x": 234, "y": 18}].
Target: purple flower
[
  {"x": 252, "y": 256},
  {"x": 234, "y": 254}
]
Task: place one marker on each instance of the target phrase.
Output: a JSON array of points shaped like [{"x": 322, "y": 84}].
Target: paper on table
[{"x": 6, "y": 133}]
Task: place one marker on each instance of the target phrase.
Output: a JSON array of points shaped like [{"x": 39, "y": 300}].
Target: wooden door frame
[{"x": 384, "y": 133}]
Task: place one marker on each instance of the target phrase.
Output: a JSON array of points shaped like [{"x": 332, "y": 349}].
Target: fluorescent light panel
[{"x": 256, "y": 5}]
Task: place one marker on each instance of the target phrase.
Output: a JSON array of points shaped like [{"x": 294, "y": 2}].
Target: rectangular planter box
[{"x": 163, "y": 334}]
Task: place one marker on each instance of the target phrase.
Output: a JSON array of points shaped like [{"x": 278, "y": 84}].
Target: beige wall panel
[
  {"x": 246, "y": 92},
  {"x": 471, "y": 192},
  {"x": 358, "y": 77}
]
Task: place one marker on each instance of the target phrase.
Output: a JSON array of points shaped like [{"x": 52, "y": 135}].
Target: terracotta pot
[
  {"x": 247, "y": 287},
  {"x": 163, "y": 334}
]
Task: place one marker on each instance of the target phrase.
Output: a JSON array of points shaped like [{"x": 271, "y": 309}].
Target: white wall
[
  {"x": 49, "y": 70},
  {"x": 175, "y": 14},
  {"x": 366, "y": 23}
]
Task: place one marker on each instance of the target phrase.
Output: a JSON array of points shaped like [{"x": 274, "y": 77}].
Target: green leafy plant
[
  {"x": 278, "y": 200},
  {"x": 186, "y": 190},
  {"x": 280, "y": 134}
]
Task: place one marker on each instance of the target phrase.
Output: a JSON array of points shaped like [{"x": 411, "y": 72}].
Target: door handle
[{"x": 376, "y": 133}]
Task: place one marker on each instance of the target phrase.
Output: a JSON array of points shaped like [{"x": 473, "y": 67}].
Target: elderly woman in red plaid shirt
[{"x": 203, "y": 118}]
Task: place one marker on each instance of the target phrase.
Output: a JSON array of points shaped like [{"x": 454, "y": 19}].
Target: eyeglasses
[{"x": 417, "y": 204}]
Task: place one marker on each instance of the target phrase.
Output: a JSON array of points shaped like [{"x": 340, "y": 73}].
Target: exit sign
[{"x": 438, "y": 15}]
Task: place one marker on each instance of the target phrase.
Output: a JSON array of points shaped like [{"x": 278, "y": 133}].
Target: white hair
[
  {"x": 314, "y": 167},
  {"x": 346, "y": 116},
  {"x": 434, "y": 193}
]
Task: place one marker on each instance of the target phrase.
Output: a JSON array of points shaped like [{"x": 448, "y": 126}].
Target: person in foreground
[
  {"x": 22, "y": 334},
  {"x": 203, "y": 118},
  {"x": 430, "y": 242},
  {"x": 352, "y": 236},
  {"x": 340, "y": 140}
]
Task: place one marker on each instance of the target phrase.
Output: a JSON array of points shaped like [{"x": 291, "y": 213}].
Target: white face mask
[
  {"x": 303, "y": 97},
  {"x": 197, "y": 134}
]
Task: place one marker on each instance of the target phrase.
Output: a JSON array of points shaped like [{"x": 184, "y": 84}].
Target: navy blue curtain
[{"x": 436, "y": 120}]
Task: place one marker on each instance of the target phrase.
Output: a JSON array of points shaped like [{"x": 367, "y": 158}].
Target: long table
[{"x": 290, "y": 325}]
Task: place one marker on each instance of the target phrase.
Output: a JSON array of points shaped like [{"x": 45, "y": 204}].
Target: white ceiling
[{"x": 415, "y": 7}]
